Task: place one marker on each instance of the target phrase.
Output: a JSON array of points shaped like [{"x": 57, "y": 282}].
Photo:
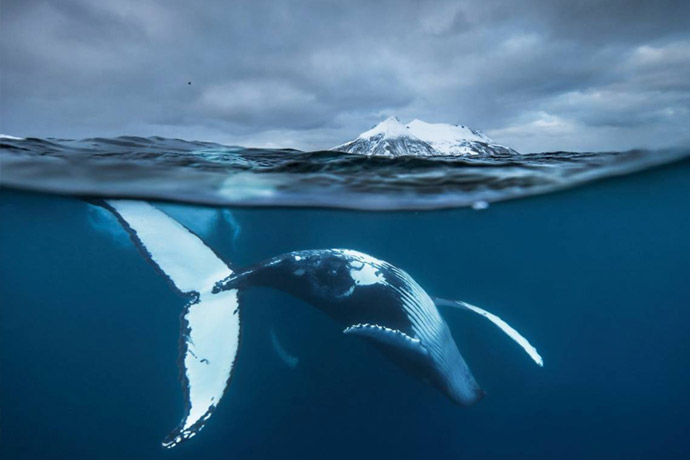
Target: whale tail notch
[{"x": 210, "y": 330}]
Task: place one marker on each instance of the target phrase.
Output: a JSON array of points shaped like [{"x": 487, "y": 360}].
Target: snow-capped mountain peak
[
  {"x": 444, "y": 133},
  {"x": 419, "y": 138},
  {"x": 390, "y": 128},
  {"x": 389, "y": 138}
]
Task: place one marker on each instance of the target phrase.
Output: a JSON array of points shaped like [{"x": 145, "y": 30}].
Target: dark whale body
[
  {"x": 376, "y": 300},
  {"x": 370, "y": 298}
]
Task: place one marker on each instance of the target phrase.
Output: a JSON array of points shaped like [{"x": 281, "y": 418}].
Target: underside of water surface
[{"x": 208, "y": 173}]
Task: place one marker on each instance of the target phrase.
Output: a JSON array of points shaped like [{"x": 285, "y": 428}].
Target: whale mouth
[{"x": 467, "y": 398}]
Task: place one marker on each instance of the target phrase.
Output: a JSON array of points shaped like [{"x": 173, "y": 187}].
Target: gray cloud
[{"x": 536, "y": 75}]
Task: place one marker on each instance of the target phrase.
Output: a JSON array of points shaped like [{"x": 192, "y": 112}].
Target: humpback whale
[{"x": 370, "y": 298}]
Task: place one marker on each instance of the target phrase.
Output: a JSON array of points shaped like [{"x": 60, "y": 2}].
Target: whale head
[{"x": 452, "y": 376}]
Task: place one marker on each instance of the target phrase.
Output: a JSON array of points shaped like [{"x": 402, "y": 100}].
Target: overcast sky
[{"x": 533, "y": 74}]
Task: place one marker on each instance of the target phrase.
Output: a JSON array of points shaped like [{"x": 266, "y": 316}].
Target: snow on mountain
[
  {"x": 447, "y": 139},
  {"x": 390, "y": 128},
  {"x": 418, "y": 138},
  {"x": 388, "y": 138}
]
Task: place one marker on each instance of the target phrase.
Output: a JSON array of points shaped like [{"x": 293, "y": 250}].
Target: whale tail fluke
[
  {"x": 210, "y": 331},
  {"x": 505, "y": 327}
]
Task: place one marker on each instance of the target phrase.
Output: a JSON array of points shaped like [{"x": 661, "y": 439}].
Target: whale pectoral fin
[
  {"x": 505, "y": 327},
  {"x": 387, "y": 336}
]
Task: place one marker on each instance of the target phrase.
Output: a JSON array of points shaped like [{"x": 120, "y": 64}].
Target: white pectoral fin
[
  {"x": 387, "y": 336},
  {"x": 211, "y": 323},
  {"x": 505, "y": 327}
]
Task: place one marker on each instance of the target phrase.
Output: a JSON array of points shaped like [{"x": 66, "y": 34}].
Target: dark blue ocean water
[{"x": 597, "y": 277}]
